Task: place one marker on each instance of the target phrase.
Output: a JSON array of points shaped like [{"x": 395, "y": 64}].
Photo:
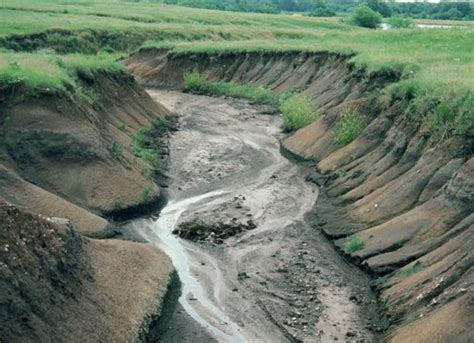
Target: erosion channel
[{"x": 252, "y": 266}]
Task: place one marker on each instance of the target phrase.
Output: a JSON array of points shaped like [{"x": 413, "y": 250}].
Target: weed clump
[
  {"x": 348, "y": 128},
  {"x": 142, "y": 148},
  {"x": 117, "y": 150},
  {"x": 353, "y": 244},
  {"x": 197, "y": 83},
  {"x": 413, "y": 270},
  {"x": 297, "y": 112}
]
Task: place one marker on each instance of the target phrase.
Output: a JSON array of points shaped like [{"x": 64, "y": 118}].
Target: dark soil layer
[
  {"x": 407, "y": 197},
  {"x": 57, "y": 286}
]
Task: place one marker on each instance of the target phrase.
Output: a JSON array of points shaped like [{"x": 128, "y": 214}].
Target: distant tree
[
  {"x": 380, "y": 7},
  {"x": 366, "y": 17},
  {"x": 464, "y": 8},
  {"x": 320, "y": 9}
]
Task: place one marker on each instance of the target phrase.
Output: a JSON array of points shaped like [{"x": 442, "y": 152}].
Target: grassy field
[{"x": 435, "y": 62}]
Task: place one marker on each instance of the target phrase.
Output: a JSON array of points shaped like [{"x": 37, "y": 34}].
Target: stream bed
[{"x": 254, "y": 268}]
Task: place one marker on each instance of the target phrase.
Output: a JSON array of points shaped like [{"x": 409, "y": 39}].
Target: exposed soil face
[
  {"x": 279, "y": 281},
  {"x": 77, "y": 152},
  {"x": 58, "y": 286},
  {"x": 68, "y": 157}
]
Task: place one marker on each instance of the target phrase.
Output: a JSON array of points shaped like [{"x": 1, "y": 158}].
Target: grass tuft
[
  {"x": 297, "y": 112},
  {"x": 353, "y": 244},
  {"x": 413, "y": 270},
  {"x": 142, "y": 145},
  {"x": 348, "y": 128}
]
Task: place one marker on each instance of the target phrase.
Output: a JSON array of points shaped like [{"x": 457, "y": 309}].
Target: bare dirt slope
[
  {"x": 57, "y": 286},
  {"x": 407, "y": 197},
  {"x": 79, "y": 150},
  {"x": 72, "y": 156},
  {"x": 278, "y": 280}
]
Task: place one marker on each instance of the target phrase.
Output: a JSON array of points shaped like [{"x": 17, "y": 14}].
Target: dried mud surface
[{"x": 280, "y": 281}]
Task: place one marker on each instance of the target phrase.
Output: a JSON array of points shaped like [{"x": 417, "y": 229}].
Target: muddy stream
[{"x": 270, "y": 276}]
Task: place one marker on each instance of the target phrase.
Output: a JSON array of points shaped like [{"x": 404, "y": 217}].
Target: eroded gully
[{"x": 281, "y": 281}]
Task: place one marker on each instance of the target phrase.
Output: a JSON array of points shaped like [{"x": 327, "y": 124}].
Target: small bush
[
  {"x": 122, "y": 127},
  {"x": 401, "y": 22},
  {"x": 353, "y": 244},
  {"x": 297, "y": 112},
  {"x": 162, "y": 122},
  {"x": 195, "y": 82},
  {"x": 366, "y": 17},
  {"x": 349, "y": 128}
]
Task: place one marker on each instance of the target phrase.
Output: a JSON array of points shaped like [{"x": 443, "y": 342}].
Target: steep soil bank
[
  {"x": 408, "y": 198},
  {"x": 57, "y": 286},
  {"x": 77, "y": 150},
  {"x": 74, "y": 156}
]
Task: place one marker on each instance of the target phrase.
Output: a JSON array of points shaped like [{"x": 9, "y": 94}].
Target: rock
[
  {"x": 351, "y": 334},
  {"x": 242, "y": 276}
]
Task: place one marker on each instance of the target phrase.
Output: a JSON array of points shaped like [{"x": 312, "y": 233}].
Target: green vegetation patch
[
  {"x": 297, "y": 112},
  {"x": 413, "y": 270},
  {"x": 44, "y": 70},
  {"x": 366, "y": 17},
  {"x": 197, "y": 83},
  {"x": 142, "y": 145},
  {"x": 349, "y": 127},
  {"x": 401, "y": 22},
  {"x": 353, "y": 244}
]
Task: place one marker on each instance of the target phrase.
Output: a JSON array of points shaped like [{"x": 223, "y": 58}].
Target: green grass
[
  {"x": 146, "y": 192},
  {"x": 117, "y": 150},
  {"x": 401, "y": 22},
  {"x": 349, "y": 127},
  {"x": 298, "y": 112},
  {"x": 198, "y": 83},
  {"x": 142, "y": 145},
  {"x": 122, "y": 127},
  {"x": 412, "y": 270},
  {"x": 353, "y": 244},
  {"x": 32, "y": 71}
]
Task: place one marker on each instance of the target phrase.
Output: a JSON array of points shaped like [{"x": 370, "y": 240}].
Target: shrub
[
  {"x": 122, "y": 127},
  {"x": 366, "y": 17},
  {"x": 195, "y": 82},
  {"x": 162, "y": 122},
  {"x": 353, "y": 244},
  {"x": 349, "y": 128},
  {"x": 401, "y": 22},
  {"x": 297, "y": 112}
]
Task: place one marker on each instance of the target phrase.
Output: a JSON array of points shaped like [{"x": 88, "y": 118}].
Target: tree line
[{"x": 325, "y": 8}]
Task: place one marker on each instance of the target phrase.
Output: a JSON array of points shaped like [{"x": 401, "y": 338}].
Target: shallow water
[{"x": 192, "y": 291}]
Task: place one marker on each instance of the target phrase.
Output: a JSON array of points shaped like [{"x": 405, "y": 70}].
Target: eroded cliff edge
[{"x": 80, "y": 154}]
